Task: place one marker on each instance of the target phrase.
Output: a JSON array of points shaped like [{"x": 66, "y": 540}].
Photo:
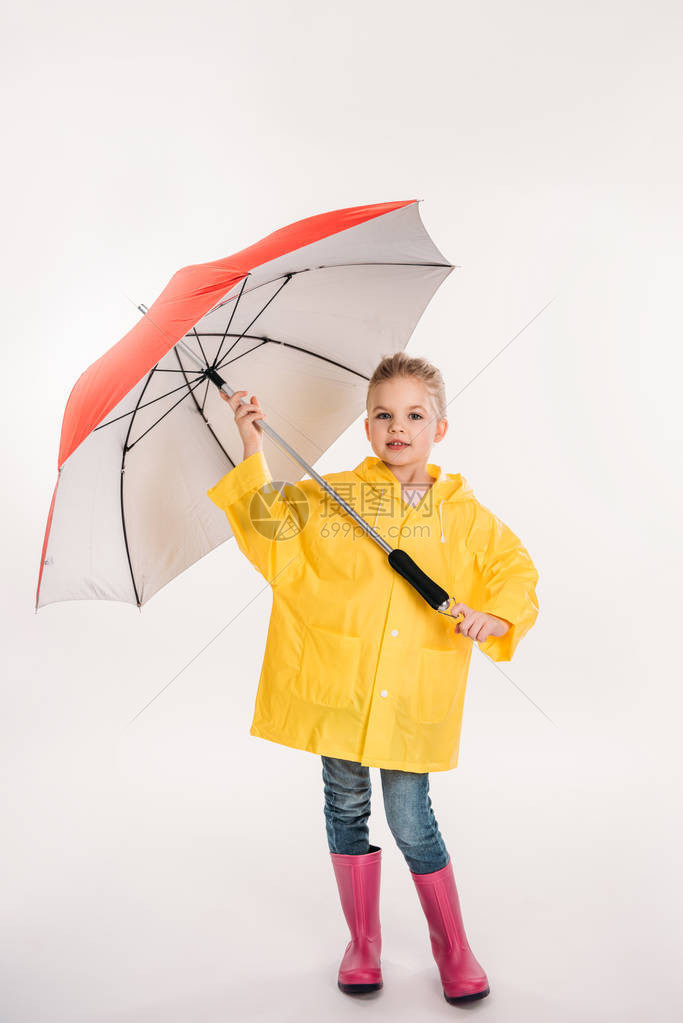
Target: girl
[{"x": 357, "y": 668}]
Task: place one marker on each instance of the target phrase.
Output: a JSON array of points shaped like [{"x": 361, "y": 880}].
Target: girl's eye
[{"x": 380, "y": 414}]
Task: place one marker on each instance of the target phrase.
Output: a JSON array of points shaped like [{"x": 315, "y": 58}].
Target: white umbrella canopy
[{"x": 301, "y": 318}]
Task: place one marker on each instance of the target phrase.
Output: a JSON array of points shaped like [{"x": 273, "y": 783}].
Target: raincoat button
[
  {"x": 384, "y": 693},
  {"x": 394, "y": 632}
]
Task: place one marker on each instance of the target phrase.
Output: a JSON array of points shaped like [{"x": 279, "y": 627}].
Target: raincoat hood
[
  {"x": 447, "y": 487},
  {"x": 452, "y": 486}
]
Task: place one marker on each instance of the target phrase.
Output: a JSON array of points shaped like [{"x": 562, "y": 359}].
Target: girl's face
[{"x": 403, "y": 409}]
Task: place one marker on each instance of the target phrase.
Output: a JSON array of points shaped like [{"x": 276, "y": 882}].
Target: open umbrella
[{"x": 304, "y": 315}]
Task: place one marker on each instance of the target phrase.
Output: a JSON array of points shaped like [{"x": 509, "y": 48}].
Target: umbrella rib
[
  {"x": 287, "y": 279},
  {"x": 128, "y": 447},
  {"x": 252, "y": 337},
  {"x": 194, "y": 386},
  {"x": 147, "y": 403},
  {"x": 123, "y": 472},
  {"x": 201, "y": 411},
  {"x": 218, "y": 353},
  {"x": 306, "y": 351},
  {"x": 194, "y": 331},
  {"x": 331, "y": 266}
]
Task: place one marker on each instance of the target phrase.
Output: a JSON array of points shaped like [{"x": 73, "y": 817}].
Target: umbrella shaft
[
  {"x": 282, "y": 443},
  {"x": 387, "y": 548}
]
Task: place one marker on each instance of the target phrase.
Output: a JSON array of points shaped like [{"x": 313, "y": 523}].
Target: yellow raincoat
[{"x": 356, "y": 664}]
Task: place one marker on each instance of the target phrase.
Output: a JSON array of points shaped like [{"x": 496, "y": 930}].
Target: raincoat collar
[
  {"x": 450, "y": 486},
  {"x": 447, "y": 487}
]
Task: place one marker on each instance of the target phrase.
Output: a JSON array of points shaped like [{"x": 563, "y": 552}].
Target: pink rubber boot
[
  {"x": 358, "y": 883},
  {"x": 462, "y": 978}
]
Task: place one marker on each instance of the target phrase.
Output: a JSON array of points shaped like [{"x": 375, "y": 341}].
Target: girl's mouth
[{"x": 396, "y": 444}]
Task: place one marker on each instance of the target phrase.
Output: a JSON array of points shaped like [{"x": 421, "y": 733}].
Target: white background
[{"x": 176, "y": 868}]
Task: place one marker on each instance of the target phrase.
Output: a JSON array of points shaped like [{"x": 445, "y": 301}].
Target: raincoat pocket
[
  {"x": 437, "y": 686},
  {"x": 329, "y": 668}
]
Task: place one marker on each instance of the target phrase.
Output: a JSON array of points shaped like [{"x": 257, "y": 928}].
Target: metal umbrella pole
[{"x": 400, "y": 560}]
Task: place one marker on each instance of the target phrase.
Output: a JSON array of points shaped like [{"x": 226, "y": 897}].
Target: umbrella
[{"x": 304, "y": 314}]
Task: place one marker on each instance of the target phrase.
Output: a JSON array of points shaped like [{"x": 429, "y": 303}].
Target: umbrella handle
[
  {"x": 447, "y": 611},
  {"x": 430, "y": 591}
]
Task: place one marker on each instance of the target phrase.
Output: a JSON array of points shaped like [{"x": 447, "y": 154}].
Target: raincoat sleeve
[
  {"x": 507, "y": 587},
  {"x": 233, "y": 494}
]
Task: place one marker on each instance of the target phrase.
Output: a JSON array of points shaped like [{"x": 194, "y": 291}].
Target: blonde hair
[{"x": 401, "y": 365}]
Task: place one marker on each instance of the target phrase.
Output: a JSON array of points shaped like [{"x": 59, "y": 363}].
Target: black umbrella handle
[{"x": 430, "y": 591}]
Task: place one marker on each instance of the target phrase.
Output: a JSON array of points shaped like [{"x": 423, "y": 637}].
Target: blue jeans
[{"x": 407, "y": 806}]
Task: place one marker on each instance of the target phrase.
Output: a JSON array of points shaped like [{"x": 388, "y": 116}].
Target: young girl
[{"x": 358, "y": 668}]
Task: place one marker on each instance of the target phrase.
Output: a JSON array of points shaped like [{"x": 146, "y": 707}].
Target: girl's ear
[{"x": 441, "y": 430}]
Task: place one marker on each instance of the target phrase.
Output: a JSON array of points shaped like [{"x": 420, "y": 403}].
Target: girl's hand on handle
[
  {"x": 246, "y": 415},
  {"x": 478, "y": 625}
]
